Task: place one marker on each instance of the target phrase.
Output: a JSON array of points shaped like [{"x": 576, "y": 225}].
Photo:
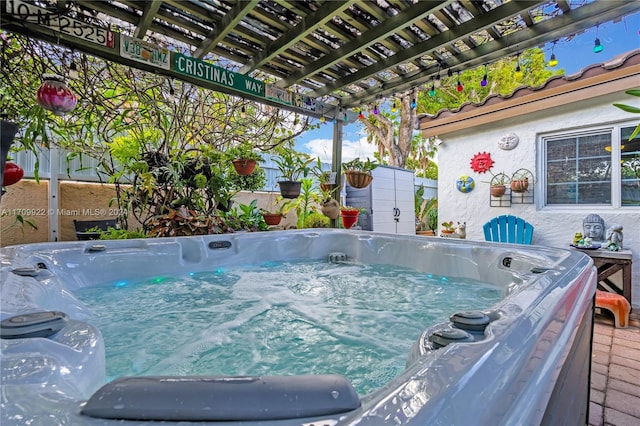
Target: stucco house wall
[{"x": 554, "y": 226}]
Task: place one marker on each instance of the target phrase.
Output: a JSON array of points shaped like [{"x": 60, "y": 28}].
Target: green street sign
[{"x": 205, "y": 71}]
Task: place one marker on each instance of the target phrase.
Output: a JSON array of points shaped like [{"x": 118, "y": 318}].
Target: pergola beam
[
  {"x": 404, "y": 18},
  {"x": 310, "y": 23},
  {"x": 453, "y": 34},
  {"x": 241, "y": 9},
  {"x": 544, "y": 32},
  {"x": 150, "y": 10}
]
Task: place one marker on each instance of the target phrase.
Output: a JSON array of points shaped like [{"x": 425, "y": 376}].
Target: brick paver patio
[{"x": 615, "y": 375}]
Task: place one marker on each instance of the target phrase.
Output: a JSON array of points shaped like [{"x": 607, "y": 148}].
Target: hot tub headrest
[{"x": 215, "y": 398}]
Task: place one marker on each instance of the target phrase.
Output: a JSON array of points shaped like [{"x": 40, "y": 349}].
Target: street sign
[{"x": 205, "y": 71}]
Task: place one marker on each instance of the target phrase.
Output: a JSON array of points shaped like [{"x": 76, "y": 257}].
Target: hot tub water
[{"x": 278, "y": 318}]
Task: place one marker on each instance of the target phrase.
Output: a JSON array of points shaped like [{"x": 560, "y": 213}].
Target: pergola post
[{"x": 336, "y": 162}]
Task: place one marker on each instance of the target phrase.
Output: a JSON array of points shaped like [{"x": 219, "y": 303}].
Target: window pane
[
  {"x": 630, "y": 158},
  {"x": 579, "y": 170}
]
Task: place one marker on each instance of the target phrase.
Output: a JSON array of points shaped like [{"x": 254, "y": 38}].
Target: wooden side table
[{"x": 608, "y": 263}]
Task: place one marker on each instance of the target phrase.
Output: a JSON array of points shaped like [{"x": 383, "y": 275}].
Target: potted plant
[
  {"x": 244, "y": 158},
  {"x": 349, "y": 216},
  {"x": 358, "y": 172},
  {"x": 498, "y": 185},
  {"x": 424, "y": 210},
  {"x": 291, "y": 165},
  {"x": 520, "y": 180},
  {"x": 448, "y": 227},
  {"x": 326, "y": 178},
  {"x": 246, "y": 217}
]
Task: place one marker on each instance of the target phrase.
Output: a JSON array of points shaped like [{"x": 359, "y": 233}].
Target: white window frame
[{"x": 616, "y": 169}]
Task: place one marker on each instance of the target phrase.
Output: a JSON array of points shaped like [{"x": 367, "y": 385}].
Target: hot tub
[{"x": 524, "y": 361}]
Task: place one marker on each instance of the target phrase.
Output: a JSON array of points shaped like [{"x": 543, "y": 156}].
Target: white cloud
[{"x": 350, "y": 149}]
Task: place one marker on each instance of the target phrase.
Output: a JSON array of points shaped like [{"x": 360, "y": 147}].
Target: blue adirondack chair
[{"x": 508, "y": 229}]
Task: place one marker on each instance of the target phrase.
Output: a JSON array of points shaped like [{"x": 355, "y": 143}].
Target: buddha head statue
[{"x": 593, "y": 227}]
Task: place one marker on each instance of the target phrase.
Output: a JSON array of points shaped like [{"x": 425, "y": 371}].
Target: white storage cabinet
[{"x": 388, "y": 200}]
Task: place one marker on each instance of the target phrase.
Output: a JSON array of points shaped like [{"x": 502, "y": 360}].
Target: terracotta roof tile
[{"x": 621, "y": 61}]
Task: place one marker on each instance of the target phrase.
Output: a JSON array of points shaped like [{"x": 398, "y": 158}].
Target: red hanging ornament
[
  {"x": 12, "y": 174},
  {"x": 481, "y": 162},
  {"x": 54, "y": 95}
]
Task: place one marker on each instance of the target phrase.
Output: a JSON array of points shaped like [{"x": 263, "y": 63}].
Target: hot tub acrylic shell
[{"x": 531, "y": 365}]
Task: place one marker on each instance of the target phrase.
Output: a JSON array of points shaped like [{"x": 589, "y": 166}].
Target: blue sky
[{"x": 572, "y": 55}]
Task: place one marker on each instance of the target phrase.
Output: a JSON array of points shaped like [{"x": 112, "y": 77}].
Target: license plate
[{"x": 32, "y": 14}]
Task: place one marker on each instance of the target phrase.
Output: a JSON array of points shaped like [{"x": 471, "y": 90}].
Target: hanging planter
[
  {"x": 358, "y": 172},
  {"x": 12, "y": 174},
  {"x": 272, "y": 219},
  {"x": 290, "y": 188},
  {"x": 358, "y": 179},
  {"x": 330, "y": 208},
  {"x": 54, "y": 95},
  {"x": 244, "y": 166}
]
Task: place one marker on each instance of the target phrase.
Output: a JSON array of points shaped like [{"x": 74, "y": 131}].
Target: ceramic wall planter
[
  {"x": 244, "y": 166},
  {"x": 290, "y": 189},
  {"x": 331, "y": 209}
]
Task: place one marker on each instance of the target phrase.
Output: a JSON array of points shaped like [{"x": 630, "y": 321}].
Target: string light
[
  {"x": 485, "y": 78},
  {"x": 73, "y": 69},
  {"x": 432, "y": 91},
  {"x": 172, "y": 93},
  {"x": 518, "y": 74},
  {"x": 460, "y": 87},
  {"x": 243, "y": 112},
  {"x": 597, "y": 48},
  {"x": 360, "y": 116},
  {"x": 375, "y": 109},
  {"x": 322, "y": 119},
  {"x": 394, "y": 108},
  {"x": 414, "y": 103},
  {"x": 552, "y": 60}
]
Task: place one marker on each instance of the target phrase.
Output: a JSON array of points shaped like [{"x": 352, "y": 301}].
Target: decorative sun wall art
[
  {"x": 509, "y": 141},
  {"x": 465, "y": 184},
  {"x": 481, "y": 162}
]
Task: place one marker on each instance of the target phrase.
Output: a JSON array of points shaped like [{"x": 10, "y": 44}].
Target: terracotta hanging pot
[
  {"x": 12, "y": 174},
  {"x": 244, "y": 166},
  {"x": 54, "y": 95},
  {"x": 272, "y": 219}
]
